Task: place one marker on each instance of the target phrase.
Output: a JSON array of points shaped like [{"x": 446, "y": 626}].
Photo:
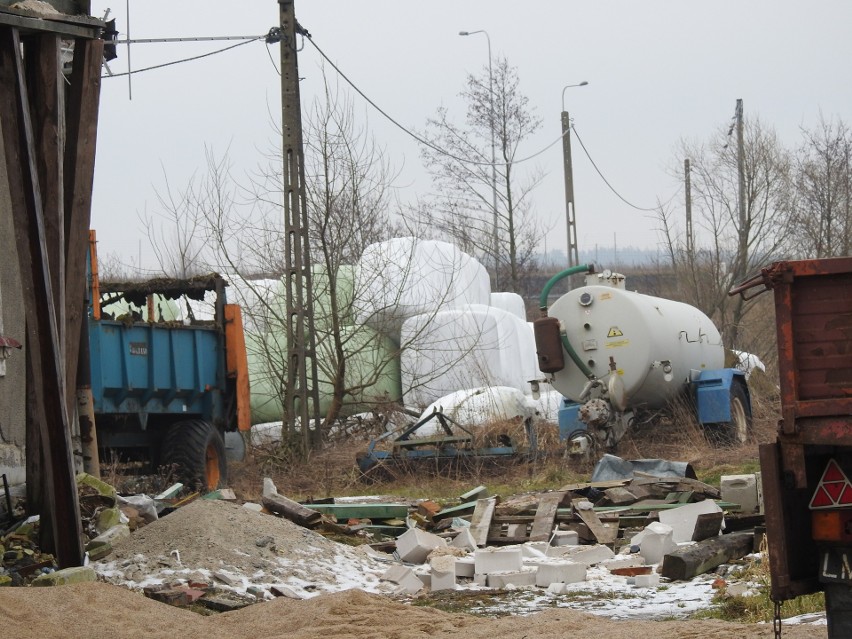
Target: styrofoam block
[
  {"x": 557, "y": 588},
  {"x": 405, "y": 578},
  {"x": 588, "y": 555},
  {"x": 523, "y": 577},
  {"x": 655, "y": 542},
  {"x": 534, "y": 549},
  {"x": 682, "y": 519},
  {"x": 414, "y": 545},
  {"x": 480, "y": 580},
  {"x": 559, "y": 572},
  {"x": 565, "y": 538},
  {"x": 646, "y": 581},
  {"x": 465, "y": 567},
  {"x": 742, "y": 490},
  {"x": 624, "y": 561},
  {"x": 491, "y": 560},
  {"x": 464, "y": 540}
]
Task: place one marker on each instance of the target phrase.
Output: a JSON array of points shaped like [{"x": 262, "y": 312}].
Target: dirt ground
[{"x": 102, "y": 611}]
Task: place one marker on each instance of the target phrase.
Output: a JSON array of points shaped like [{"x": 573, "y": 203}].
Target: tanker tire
[
  {"x": 196, "y": 451},
  {"x": 739, "y": 429}
]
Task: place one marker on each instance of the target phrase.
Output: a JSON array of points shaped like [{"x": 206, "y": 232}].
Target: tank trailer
[{"x": 616, "y": 354}]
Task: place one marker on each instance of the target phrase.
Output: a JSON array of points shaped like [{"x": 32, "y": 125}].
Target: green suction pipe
[{"x": 542, "y": 305}]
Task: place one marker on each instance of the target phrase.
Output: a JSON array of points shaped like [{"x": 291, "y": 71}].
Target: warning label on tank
[
  {"x": 618, "y": 343},
  {"x": 614, "y": 331}
]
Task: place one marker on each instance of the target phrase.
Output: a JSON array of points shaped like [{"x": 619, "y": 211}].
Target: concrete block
[
  {"x": 491, "y": 560},
  {"x": 75, "y": 575},
  {"x": 557, "y": 589},
  {"x": 524, "y": 577},
  {"x": 624, "y": 561},
  {"x": 465, "y": 567},
  {"x": 682, "y": 519},
  {"x": 464, "y": 540},
  {"x": 443, "y": 573},
  {"x": 480, "y": 580},
  {"x": 425, "y": 576},
  {"x": 269, "y": 488},
  {"x": 404, "y": 577},
  {"x": 588, "y": 555},
  {"x": 414, "y": 545},
  {"x": 108, "y": 518},
  {"x": 655, "y": 542},
  {"x": 742, "y": 490},
  {"x": 252, "y": 506},
  {"x": 559, "y": 571},
  {"x": 565, "y": 538}
]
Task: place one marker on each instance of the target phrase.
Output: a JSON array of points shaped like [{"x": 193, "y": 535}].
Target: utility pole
[
  {"x": 301, "y": 395},
  {"x": 570, "y": 218},
  {"x": 690, "y": 240}
]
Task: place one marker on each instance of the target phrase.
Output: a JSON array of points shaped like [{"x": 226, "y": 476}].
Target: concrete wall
[{"x": 12, "y": 324}]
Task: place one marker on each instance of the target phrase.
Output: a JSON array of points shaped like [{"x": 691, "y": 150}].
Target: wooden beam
[
  {"x": 689, "y": 561},
  {"x": 64, "y": 25},
  {"x": 42, "y": 332},
  {"x": 545, "y": 516},
  {"x": 81, "y": 121},
  {"x": 481, "y": 520}
]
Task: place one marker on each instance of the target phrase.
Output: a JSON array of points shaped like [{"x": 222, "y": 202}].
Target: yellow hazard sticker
[
  {"x": 618, "y": 343},
  {"x": 614, "y": 331},
  {"x": 606, "y": 296}
]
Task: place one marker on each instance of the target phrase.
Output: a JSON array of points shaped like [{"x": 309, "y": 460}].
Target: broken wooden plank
[
  {"x": 707, "y": 525},
  {"x": 360, "y": 511},
  {"x": 545, "y": 516},
  {"x": 480, "y": 492},
  {"x": 612, "y": 483},
  {"x": 690, "y": 561},
  {"x": 481, "y": 520},
  {"x": 604, "y": 533},
  {"x": 292, "y": 510},
  {"x": 462, "y": 510}
]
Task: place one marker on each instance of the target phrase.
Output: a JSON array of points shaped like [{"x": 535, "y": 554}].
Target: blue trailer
[{"x": 166, "y": 391}]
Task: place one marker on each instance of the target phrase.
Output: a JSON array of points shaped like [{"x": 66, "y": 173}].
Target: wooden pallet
[{"x": 519, "y": 529}]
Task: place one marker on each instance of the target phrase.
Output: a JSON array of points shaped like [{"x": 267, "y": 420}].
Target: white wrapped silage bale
[
  {"x": 510, "y": 302},
  {"x": 404, "y": 277},
  {"x": 478, "y": 406}
]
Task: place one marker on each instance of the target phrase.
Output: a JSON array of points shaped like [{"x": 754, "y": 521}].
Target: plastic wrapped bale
[
  {"x": 266, "y": 356},
  {"x": 478, "y": 406},
  {"x": 405, "y": 277},
  {"x": 165, "y": 309},
  {"x": 513, "y": 343},
  {"x": 548, "y": 403},
  {"x": 448, "y": 350},
  {"x": 372, "y": 374},
  {"x": 344, "y": 292},
  {"x": 511, "y": 303}
]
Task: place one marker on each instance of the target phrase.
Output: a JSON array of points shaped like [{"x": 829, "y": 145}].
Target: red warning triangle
[{"x": 834, "y": 489}]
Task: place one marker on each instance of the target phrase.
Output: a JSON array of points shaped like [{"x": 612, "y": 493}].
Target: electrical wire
[
  {"x": 173, "y": 62},
  {"x": 414, "y": 135},
  {"x": 611, "y": 188}
]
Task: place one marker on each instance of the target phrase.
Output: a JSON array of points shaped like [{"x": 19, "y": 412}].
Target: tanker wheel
[
  {"x": 738, "y": 430},
  {"x": 196, "y": 450}
]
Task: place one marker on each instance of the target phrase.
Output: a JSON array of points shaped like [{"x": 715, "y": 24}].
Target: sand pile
[
  {"x": 101, "y": 611},
  {"x": 221, "y": 542}
]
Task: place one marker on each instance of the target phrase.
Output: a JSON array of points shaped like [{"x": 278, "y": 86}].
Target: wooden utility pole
[{"x": 301, "y": 395}]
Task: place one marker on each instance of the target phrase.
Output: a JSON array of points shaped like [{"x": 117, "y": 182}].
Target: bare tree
[
  {"x": 730, "y": 244},
  {"x": 822, "y": 223},
  {"x": 459, "y": 158}
]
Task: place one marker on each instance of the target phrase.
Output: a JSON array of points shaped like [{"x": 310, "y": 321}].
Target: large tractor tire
[
  {"x": 739, "y": 429},
  {"x": 196, "y": 450}
]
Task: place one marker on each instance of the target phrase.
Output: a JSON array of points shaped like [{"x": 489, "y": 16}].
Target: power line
[
  {"x": 196, "y": 57},
  {"x": 414, "y": 135},
  {"x": 611, "y": 187}
]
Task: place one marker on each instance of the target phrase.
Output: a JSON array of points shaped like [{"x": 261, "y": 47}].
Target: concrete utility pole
[
  {"x": 301, "y": 395},
  {"x": 570, "y": 218},
  {"x": 690, "y": 240}
]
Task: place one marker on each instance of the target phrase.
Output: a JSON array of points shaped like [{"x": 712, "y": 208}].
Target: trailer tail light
[{"x": 832, "y": 525}]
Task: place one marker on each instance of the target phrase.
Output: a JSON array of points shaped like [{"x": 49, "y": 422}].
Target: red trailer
[{"x": 806, "y": 473}]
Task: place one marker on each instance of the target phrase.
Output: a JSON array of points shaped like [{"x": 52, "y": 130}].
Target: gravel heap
[{"x": 220, "y": 542}]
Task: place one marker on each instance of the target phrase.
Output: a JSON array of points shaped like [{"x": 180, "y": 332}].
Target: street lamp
[
  {"x": 495, "y": 239},
  {"x": 570, "y": 217}
]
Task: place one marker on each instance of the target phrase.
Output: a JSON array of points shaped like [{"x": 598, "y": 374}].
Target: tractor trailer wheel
[
  {"x": 196, "y": 450},
  {"x": 739, "y": 429}
]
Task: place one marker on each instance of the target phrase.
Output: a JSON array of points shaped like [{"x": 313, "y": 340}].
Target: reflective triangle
[
  {"x": 834, "y": 489},
  {"x": 821, "y": 499}
]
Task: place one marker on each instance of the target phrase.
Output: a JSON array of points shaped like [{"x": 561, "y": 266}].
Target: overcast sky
[{"x": 658, "y": 71}]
